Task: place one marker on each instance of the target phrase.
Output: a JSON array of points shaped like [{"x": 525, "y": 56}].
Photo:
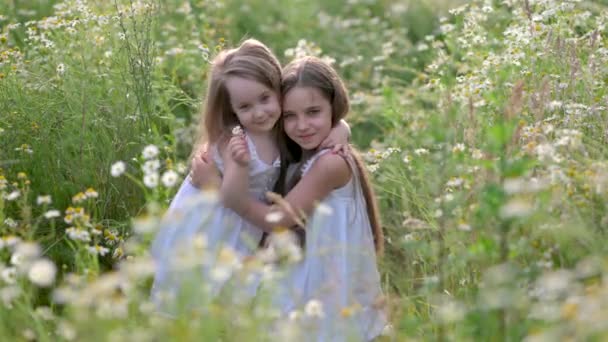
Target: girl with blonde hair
[{"x": 243, "y": 99}]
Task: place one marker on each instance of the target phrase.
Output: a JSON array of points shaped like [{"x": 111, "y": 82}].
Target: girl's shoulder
[{"x": 333, "y": 167}]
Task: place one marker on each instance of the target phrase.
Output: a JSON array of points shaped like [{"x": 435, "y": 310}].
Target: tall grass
[{"x": 485, "y": 128}]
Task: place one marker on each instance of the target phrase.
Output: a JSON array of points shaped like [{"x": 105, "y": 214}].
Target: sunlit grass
[{"x": 484, "y": 125}]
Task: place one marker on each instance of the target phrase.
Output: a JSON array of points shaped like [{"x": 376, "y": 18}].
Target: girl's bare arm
[
  {"x": 203, "y": 171},
  {"x": 329, "y": 172}
]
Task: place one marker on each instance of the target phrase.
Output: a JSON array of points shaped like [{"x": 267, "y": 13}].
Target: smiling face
[
  {"x": 256, "y": 106},
  {"x": 307, "y": 116}
]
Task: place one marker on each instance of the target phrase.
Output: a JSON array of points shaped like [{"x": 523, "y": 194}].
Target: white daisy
[
  {"x": 151, "y": 166},
  {"x": 42, "y": 273},
  {"x": 237, "y": 130},
  {"x": 60, "y": 69},
  {"x": 12, "y": 196},
  {"x": 314, "y": 308},
  {"x": 149, "y": 152},
  {"x": 118, "y": 169},
  {"x": 151, "y": 180},
  {"x": 169, "y": 178},
  {"x": 43, "y": 200}
]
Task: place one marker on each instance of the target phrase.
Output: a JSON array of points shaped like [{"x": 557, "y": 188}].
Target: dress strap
[{"x": 252, "y": 151}]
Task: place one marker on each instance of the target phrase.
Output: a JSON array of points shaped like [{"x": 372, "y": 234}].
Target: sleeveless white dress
[
  {"x": 193, "y": 214},
  {"x": 339, "y": 270}
]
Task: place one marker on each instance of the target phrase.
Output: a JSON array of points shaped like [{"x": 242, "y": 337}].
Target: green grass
[{"x": 485, "y": 129}]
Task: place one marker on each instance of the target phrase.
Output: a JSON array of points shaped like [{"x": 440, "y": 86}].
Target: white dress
[
  {"x": 339, "y": 270},
  {"x": 193, "y": 214}
]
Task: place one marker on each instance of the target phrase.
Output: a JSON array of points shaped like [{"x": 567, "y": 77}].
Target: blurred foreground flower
[
  {"x": 282, "y": 246},
  {"x": 42, "y": 273},
  {"x": 516, "y": 208},
  {"x": 314, "y": 308}
]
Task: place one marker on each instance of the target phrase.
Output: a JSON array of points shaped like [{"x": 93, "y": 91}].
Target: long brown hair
[
  {"x": 314, "y": 72},
  {"x": 252, "y": 60}
]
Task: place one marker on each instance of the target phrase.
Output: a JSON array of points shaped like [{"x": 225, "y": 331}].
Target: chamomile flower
[
  {"x": 42, "y": 273},
  {"x": 118, "y": 169},
  {"x": 149, "y": 152},
  {"x": 169, "y": 178},
  {"x": 78, "y": 234},
  {"x": 421, "y": 151},
  {"x": 459, "y": 148},
  {"x": 454, "y": 182},
  {"x": 28, "y": 250},
  {"x": 314, "y": 308},
  {"x": 476, "y": 154},
  {"x": 91, "y": 193},
  {"x": 151, "y": 180},
  {"x": 98, "y": 250},
  {"x": 25, "y": 148},
  {"x": 237, "y": 130},
  {"x": 79, "y": 197},
  {"x": 220, "y": 274},
  {"x": 46, "y": 199},
  {"x": 60, "y": 69},
  {"x": 464, "y": 226},
  {"x": 151, "y": 166},
  {"x": 9, "y": 275},
  {"x": 10, "y": 222},
  {"x": 12, "y": 196},
  {"x": 45, "y": 313}
]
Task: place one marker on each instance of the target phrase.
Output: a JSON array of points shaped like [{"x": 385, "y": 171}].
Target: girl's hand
[
  {"x": 236, "y": 173},
  {"x": 239, "y": 150},
  {"x": 339, "y": 135},
  {"x": 341, "y": 149},
  {"x": 203, "y": 172}
]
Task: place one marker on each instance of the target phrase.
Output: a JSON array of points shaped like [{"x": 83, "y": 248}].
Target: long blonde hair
[
  {"x": 314, "y": 72},
  {"x": 251, "y": 60}
]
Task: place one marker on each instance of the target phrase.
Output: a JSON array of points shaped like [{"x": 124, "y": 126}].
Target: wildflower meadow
[{"x": 483, "y": 123}]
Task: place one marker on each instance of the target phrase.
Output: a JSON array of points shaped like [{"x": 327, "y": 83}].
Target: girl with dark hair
[{"x": 343, "y": 234}]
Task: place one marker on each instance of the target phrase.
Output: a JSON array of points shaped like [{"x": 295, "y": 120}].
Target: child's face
[
  {"x": 256, "y": 106},
  {"x": 306, "y": 116}
]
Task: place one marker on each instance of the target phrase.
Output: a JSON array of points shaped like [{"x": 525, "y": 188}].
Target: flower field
[{"x": 483, "y": 123}]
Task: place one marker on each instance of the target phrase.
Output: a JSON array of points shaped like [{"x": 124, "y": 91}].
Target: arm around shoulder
[{"x": 327, "y": 173}]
